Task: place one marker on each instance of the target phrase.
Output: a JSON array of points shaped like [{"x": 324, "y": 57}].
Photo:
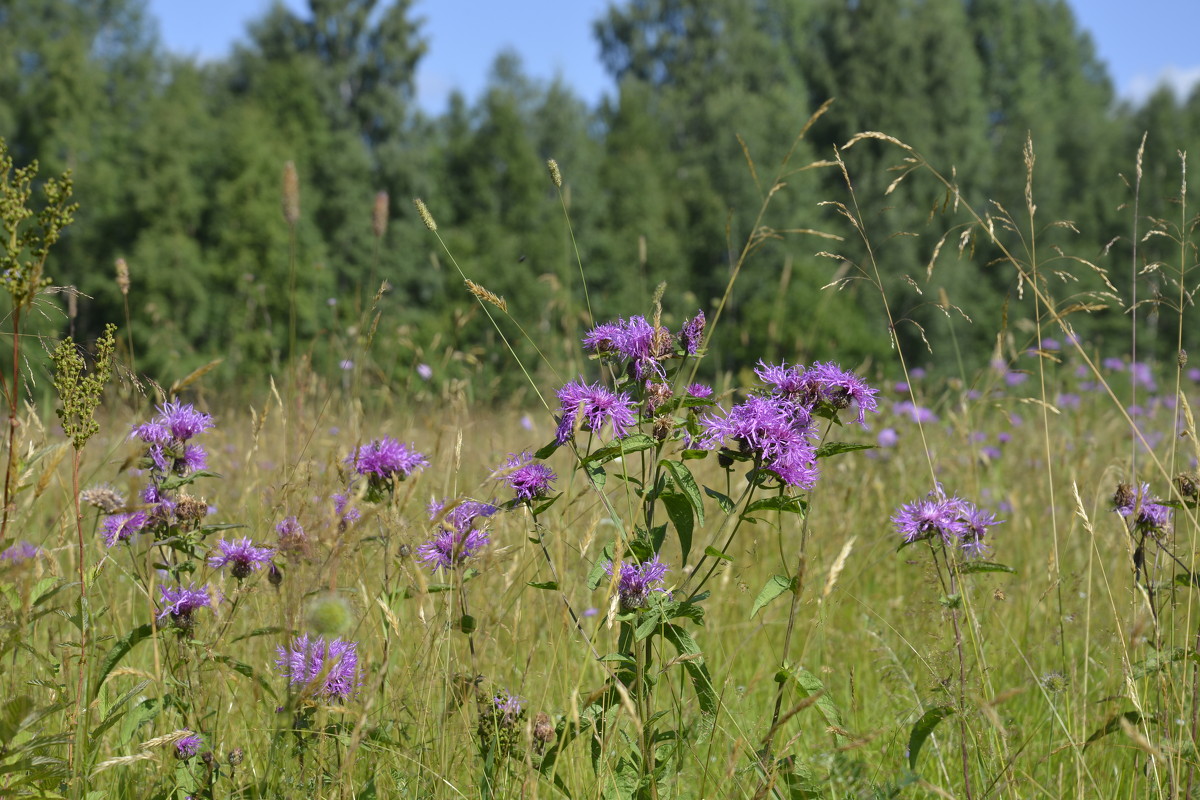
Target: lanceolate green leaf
[
  {"x": 922, "y": 729},
  {"x": 698, "y": 672},
  {"x": 837, "y": 448},
  {"x": 118, "y": 651},
  {"x": 984, "y": 566},
  {"x": 687, "y": 484},
  {"x": 633, "y": 443},
  {"x": 775, "y": 586},
  {"x": 811, "y": 685},
  {"x": 784, "y": 503},
  {"x": 680, "y": 512}
]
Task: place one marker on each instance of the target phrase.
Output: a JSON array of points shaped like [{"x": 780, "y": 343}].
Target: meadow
[{"x": 791, "y": 579}]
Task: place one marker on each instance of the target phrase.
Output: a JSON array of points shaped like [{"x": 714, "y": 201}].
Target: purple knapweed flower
[
  {"x": 591, "y": 408},
  {"x": 291, "y": 535},
  {"x": 1113, "y": 363},
  {"x": 183, "y": 421},
  {"x": 528, "y": 479},
  {"x": 121, "y": 527},
  {"x": 188, "y": 746},
  {"x": 955, "y": 521},
  {"x": 692, "y": 334},
  {"x": 699, "y": 391},
  {"x": 345, "y": 513},
  {"x": 451, "y": 548},
  {"x": 976, "y": 522},
  {"x": 329, "y": 670},
  {"x": 774, "y": 430},
  {"x": 783, "y": 379},
  {"x": 887, "y": 437},
  {"x": 385, "y": 459},
  {"x": 20, "y": 552},
  {"x": 637, "y": 340},
  {"x": 1144, "y": 510},
  {"x": 507, "y": 708},
  {"x": 461, "y": 514},
  {"x": 840, "y": 388},
  {"x": 424, "y": 371},
  {"x": 242, "y": 557},
  {"x": 635, "y": 582},
  {"x": 180, "y": 602}
]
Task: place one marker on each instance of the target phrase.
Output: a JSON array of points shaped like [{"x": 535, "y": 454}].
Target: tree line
[{"x": 177, "y": 168}]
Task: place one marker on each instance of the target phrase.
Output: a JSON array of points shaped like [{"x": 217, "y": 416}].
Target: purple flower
[
  {"x": 121, "y": 527},
  {"x": 699, "y": 391},
  {"x": 188, "y": 746},
  {"x": 1113, "y": 363},
  {"x": 460, "y": 515},
  {"x": 1050, "y": 344},
  {"x": 341, "y": 503},
  {"x": 637, "y": 340},
  {"x": 183, "y": 421},
  {"x": 151, "y": 433},
  {"x": 635, "y": 582},
  {"x": 888, "y": 437},
  {"x": 840, "y": 388},
  {"x": 507, "y": 708},
  {"x": 292, "y": 538},
  {"x": 385, "y": 459},
  {"x": 450, "y": 548},
  {"x": 424, "y": 371},
  {"x": 774, "y": 430},
  {"x": 21, "y": 551},
  {"x": 692, "y": 333},
  {"x": 1147, "y": 513},
  {"x": 591, "y": 408},
  {"x": 241, "y": 556},
  {"x": 528, "y": 479},
  {"x": 179, "y": 602},
  {"x": 782, "y": 378},
  {"x": 954, "y": 520},
  {"x": 328, "y": 670},
  {"x": 346, "y": 365}
]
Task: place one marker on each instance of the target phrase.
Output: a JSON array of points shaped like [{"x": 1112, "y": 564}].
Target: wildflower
[
  {"x": 424, "y": 371},
  {"x": 976, "y": 522},
  {"x": 121, "y": 527},
  {"x": 635, "y": 582},
  {"x": 839, "y": 388},
  {"x": 782, "y": 378},
  {"x": 543, "y": 731},
  {"x": 528, "y": 479},
  {"x": 241, "y": 556},
  {"x": 328, "y": 669},
  {"x": 699, "y": 391},
  {"x": 508, "y": 709},
  {"x": 955, "y": 521},
  {"x": 776, "y": 431},
  {"x": 181, "y": 602},
  {"x": 386, "y": 459},
  {"x": 103, "y": 497},
  {"x": 450, "y": 548},
  {"x": 188, "y": 746},
  {"x": 1149, "y": 516},
  {"x": 341, "y": 507},
  {"x": 461, "y": 514},
  {"x": 19, "y": 552},
  {"x": 692, "y": 333},
  {"x": 888, "y": 437},
  {"x": 637, "y": 340},
  {"x": 593, "y": 407},
  {"x": 292, "y": 538}
]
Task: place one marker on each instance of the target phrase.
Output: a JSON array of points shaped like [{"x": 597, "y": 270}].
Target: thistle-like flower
[
  {"x": 122, "y": 527},
  {"x": 774, "y": 430},
  {"x": 327, "y": 669},
  {"x": 955, "y": 521},
  {"x": 527, "y": 478},
  {"x": 1143, "y": 509},
  {"x": 180, "y": 602},
  {"x": 635, "y": 582},
  {"x": 451, "y": 548},
  {"x": 592, "y": 407},
  {"x": 386, "y": 459},
  {"x": 188, "y": 746},
  {"x": 241, "y": 556}
]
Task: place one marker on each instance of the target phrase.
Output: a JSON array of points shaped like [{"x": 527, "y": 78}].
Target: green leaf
[
  {"x": 620, "y": 658},
  {"x": 922, "y": 729},
  {"x": 971, "y": 567},
  {"x": 783, "y": 503},
  {"x": 268, "y": 631},
  {"x": 597, "y": 573},
  {"x": 1157, "y": 662},
  {"x": 116, "y": 653},
  {"x": 811, "y": 685},
  {"x": 697, "y": 671},
  {"x": 550, "y": 586},
  {"x": 546, "y": 451},
  {"x": 723, "y": 500},
  {"x": 686, "y": 483},
  {"x": 115, "y": 712},
  {"x": 597, "y": 474},
  {"x": 777, "y": 585},
  {"x": 713, "y": 552},
  {"x": 679, "y": 510},
  {"x": 837, "y": 448},
  {"x": 633, "y": 443},
  {"x": 1114, "y": 724}
]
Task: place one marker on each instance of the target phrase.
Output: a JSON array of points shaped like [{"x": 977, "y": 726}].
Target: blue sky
[{"x": 1144, "y": 42}]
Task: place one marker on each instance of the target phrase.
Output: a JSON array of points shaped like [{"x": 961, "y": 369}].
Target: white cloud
[{"x": 1181, "y": 80}]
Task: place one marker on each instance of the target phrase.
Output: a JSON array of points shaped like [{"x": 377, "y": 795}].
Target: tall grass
[{"x": 797, "y": 646}]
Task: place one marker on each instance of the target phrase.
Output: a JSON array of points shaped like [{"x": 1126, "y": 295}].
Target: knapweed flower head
[
  {"x": 19, "y": 553},
  {"x": 188, "y": 745},
  {"x": 699, "y": 391},
  {"x": 773, "y": 429},
  {"x": 592, "y": 408},
  {"x": 177, "y": 422},
  {"x": 643, "y": 344},
  {"x": 635, "y": 582},
  {"x": 957, "y": 522},
  {"x": 1141, "y": 508},
  {"x": 291, "y": 536},
  {"x": 180, "y": 602},
  {"x": 122, "y": 527},
  {"x": 386, "y": 459},
  {"x": 329, "y": 670},
  {"x": 103, "y": 497},
  {"x": 346, "y": 513},
  {"x": 527, "y": 478},
  {"x": 827, "y": 383},
  {"x": 507, "y": 709},
  {"x": 461, "y": 513},
  {"x": 449, "y": 549},
  {"x": 241, "y": 556},
  {"x": 692, "y": 334}
]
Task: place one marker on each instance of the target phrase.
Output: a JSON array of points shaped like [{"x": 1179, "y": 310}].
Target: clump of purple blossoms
[
  {"x": 20, "y": 552},
  {"x": 827, "y": 383},
  {"x": 180, "y": 602},
  {"x": 955, "y": 521},
  {"x": 122, "y": 527},
  {"x": 635, "y": 582},
  {"x": 591, "y": 408},
  {"x": 692, "y": 334},
  {"x": 346, "y": 513},
  {"x": 386, "y": 459},
  {"x": 637, "y": 340},
  {"x": 457, "y": 538},
  {"x": 168, "y": 434},
  {"x": 328, "y": 669},
  {"x": 772, "y": 429},
  {"x": 507, "y": 709},
  {"x": 528, "y": 479},
  {"x": 291, "y": 536},
  {"x": 1144, "y": 510},
  {"x": 241, "y": 556},
  {"x": 188, "y": 746}
]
